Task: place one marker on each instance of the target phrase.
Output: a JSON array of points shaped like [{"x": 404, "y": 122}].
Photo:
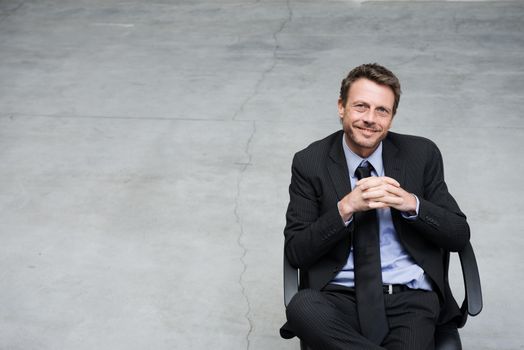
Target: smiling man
[{"x": 370, "y": 224}]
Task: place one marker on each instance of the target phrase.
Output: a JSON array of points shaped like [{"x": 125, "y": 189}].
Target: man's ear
[{"x": 341, "y": 108}]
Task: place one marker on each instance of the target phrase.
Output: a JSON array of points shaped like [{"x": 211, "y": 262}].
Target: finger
[
  {"x": 362, "y": 184},
  {"x": 393, "y": 190},
  {"x": 382, "y": 190},
  {"x": 374, "y": 193},
  {"x": 376, "y": 181},
  {"x": 390, "y": 181},
  {"x": 369, "y": 182},
  {"x": 377, "y": 205},
  {"x": 390, "y": 201}
]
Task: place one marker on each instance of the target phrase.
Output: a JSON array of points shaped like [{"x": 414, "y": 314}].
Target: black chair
[{"x": 446, "y": 336}]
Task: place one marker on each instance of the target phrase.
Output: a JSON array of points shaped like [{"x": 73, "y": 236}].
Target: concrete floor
[{"x": 146, "y": 148}]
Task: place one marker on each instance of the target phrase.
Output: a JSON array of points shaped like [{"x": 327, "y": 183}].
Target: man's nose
[{"x": 369, "y": 117}]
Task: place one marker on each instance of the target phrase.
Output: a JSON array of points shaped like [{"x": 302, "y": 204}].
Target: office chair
[{"x": 446, "y": 336}]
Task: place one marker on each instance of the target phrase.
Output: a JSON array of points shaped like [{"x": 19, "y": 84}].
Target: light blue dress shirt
[{"x": 398, "y": 267}]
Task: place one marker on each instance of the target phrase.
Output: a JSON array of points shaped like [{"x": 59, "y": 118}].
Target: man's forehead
[{"x": 369, "y": 91}]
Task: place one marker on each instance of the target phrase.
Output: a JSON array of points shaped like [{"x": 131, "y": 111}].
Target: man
[{"x": 370, "y": 224}]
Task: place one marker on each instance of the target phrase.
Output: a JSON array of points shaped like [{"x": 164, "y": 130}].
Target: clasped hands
[{"x": 376, "y": 192}]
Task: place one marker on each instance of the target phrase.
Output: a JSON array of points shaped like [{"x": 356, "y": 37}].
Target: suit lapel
[
  {"x": 393, "y": 163},
  {"x": 394, "y": 168},
  {"x": 338, "y": 169}
]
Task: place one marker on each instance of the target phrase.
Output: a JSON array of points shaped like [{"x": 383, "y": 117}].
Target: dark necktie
[{"x": 368, "y": 272}]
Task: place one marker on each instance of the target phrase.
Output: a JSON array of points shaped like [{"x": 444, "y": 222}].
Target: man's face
[{"x": 367, "y": 115}]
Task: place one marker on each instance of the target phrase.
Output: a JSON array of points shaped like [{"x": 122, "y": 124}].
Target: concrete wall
[{"x": 145, "y": 150}]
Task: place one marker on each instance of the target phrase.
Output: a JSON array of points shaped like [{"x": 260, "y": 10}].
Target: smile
[{"x": 368, "y": 130}]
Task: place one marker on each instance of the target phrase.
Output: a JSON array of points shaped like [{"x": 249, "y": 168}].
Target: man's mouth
[{"x": 367, "y": 130}]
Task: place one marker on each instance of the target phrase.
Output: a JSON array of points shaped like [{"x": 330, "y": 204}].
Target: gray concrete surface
[{"x": 145, "y": 151}]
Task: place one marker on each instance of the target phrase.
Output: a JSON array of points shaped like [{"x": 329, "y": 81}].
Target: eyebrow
[
  {"x": 357, "y": 102},
  {"x": 389, "y": 110}
]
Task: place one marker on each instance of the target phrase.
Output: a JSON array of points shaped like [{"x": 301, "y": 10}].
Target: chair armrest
[
  {"x": 290, "y": 281},
  {"x": 470, "y": 272}
]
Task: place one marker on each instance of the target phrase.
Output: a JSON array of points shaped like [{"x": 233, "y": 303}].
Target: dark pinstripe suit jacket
[{"x": 316, "y": 240}]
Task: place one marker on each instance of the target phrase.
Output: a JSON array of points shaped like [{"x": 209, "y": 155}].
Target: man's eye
[
  {"x": 360, "y": 107},
  {"x": 382, "y": 111}
]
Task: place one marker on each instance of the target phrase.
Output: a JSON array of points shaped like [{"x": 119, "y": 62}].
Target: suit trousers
[{"x": 328, "y": 320}]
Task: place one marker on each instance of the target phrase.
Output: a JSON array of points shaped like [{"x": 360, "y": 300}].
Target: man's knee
[{"x": 302, "y": 306}]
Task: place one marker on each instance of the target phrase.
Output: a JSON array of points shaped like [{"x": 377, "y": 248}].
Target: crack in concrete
[
  {"x": 240, "y": 242},
  {"x": 276, "y": 47},
  {"x": 10, "y": 12},
  {"x": 245, "y": 165}
]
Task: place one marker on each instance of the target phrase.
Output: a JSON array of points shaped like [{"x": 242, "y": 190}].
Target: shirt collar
[{"x": 353, "y": 160}]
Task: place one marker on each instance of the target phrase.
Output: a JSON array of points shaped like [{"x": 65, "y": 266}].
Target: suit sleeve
[
  {"x": 313, "y": 227},
  {"x": 440, "y": 220}
]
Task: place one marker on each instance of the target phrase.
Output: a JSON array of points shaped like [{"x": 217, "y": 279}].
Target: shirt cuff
[
  {"x": 410, "y": 216},
  {"x": 346, "y": 223}
]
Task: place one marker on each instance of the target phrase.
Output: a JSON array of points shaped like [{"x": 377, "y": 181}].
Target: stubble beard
[{"x": 358, "y": 143}]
